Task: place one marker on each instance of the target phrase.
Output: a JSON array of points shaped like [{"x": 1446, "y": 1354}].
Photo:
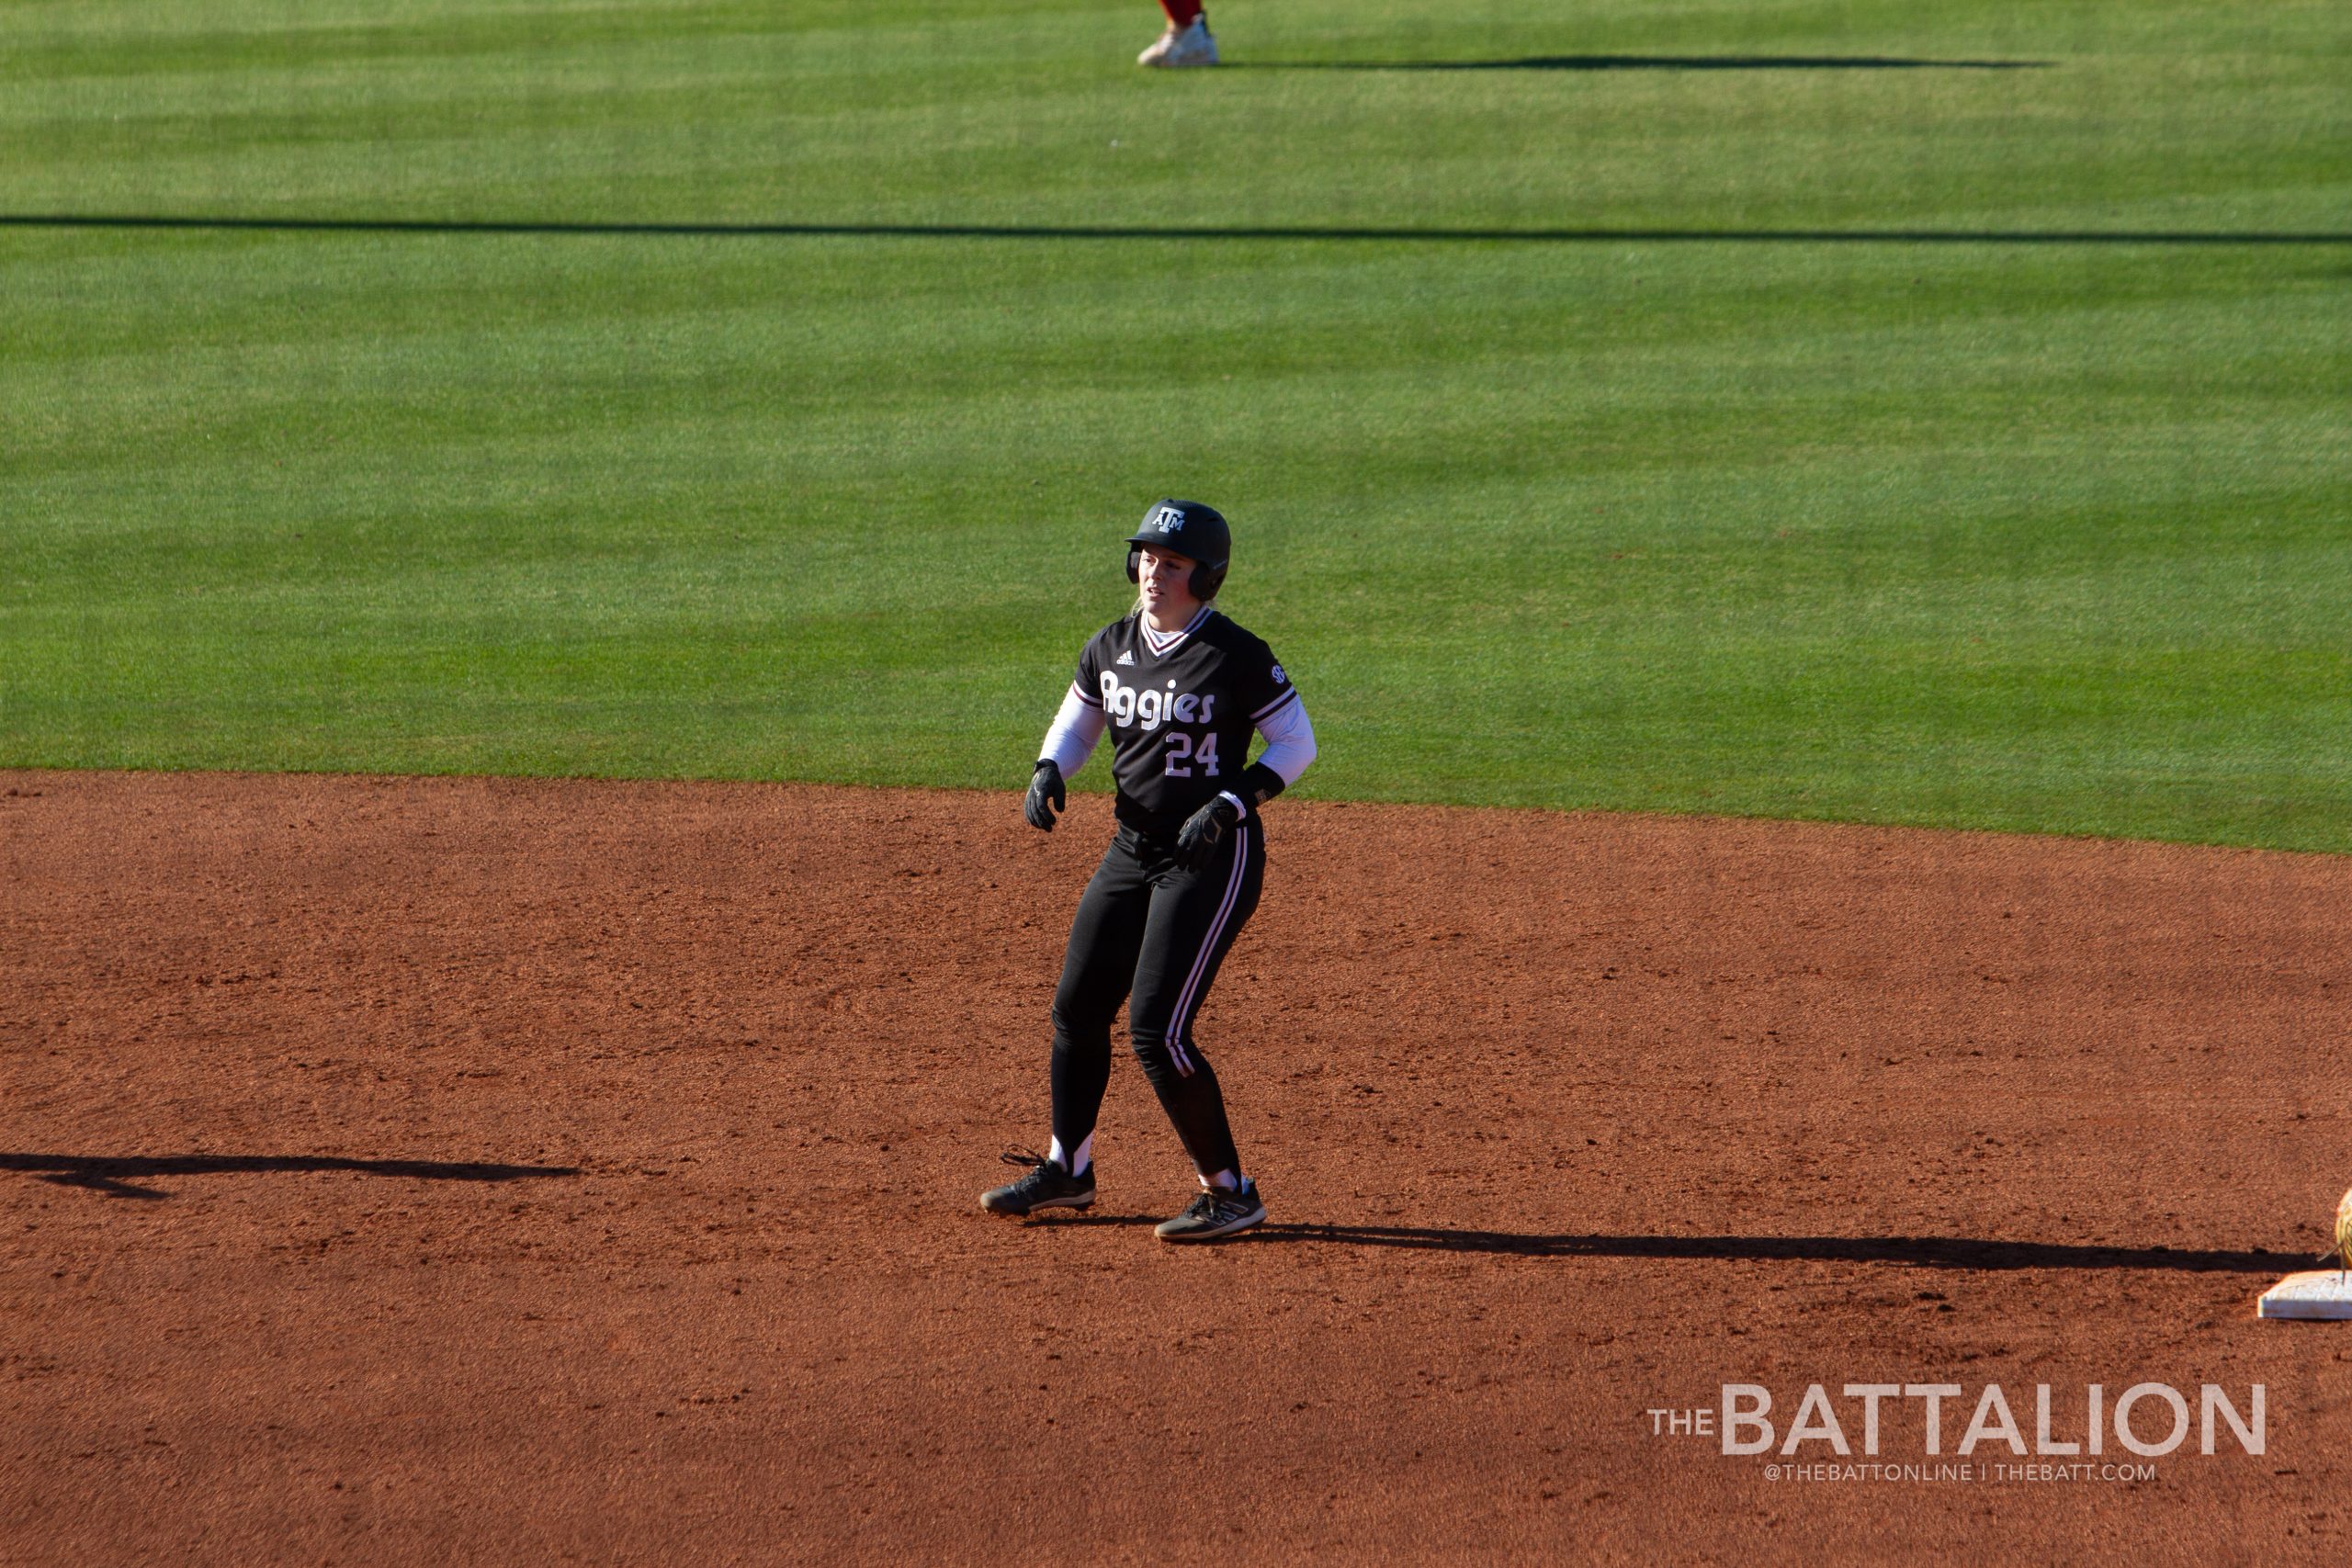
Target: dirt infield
[{"x": 518, "y": 1172}]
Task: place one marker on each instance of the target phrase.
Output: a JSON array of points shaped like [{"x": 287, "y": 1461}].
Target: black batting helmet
[{"x": 1190, "y": 529}]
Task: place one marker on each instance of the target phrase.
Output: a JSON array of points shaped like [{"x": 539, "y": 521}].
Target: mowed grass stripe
[
  {"x": 2024, "y": 535},
  {"x": 701, "y": 330},
  {"x": 1012, "y": 117}
]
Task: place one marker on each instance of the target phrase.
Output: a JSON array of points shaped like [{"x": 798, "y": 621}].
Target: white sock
[
  {"x": 1227, "y": 1180},
  {"x": 1075, "y": 1164}
]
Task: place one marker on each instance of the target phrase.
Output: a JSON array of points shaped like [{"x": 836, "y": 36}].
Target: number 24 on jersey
[{"x": 1181, "y": 755}]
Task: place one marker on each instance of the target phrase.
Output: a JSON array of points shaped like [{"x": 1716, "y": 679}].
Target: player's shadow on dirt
[
  {"x": 114, "y": 1175},
  {"x": 1652, "y": 62},
  {"x": 1919, "y": 1251}
]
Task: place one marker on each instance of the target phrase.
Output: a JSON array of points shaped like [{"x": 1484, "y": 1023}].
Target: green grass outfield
[{"x": 1760, "y": 481}]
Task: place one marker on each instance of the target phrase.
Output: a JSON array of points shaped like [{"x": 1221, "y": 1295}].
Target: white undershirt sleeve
[
  {"x": 1290, "y": 741},
  {"x": 1075, "y": 732}
]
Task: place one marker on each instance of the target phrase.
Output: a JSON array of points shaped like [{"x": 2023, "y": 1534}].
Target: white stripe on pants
[{"x": 1188, "y": 997}]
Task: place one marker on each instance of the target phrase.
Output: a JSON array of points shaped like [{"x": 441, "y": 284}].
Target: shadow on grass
[
  {"x": 1917, "y": 1251},
  {"x": 114, "y": 1175},
  {"x": 1652, "y": 62},
  {"x": 293, "y": 223}
]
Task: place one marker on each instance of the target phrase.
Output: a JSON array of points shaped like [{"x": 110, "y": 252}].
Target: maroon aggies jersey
[{"x": 1180, "y": 708}]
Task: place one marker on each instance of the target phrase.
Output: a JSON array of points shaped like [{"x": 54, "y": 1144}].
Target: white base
[{"x": 2324, "y": 1292}]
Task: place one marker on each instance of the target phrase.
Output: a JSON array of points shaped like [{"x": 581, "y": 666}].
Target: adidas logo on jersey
[{"x": 1126, "y": 658}]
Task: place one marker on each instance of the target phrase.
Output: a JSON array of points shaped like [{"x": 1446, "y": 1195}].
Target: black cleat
[
  {"x": 1047, "y": 1186},
  {"x": 1215, "y": 1213}
]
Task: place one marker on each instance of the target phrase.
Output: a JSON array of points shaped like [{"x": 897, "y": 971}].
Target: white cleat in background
[{"x": 1180, "y": 46}]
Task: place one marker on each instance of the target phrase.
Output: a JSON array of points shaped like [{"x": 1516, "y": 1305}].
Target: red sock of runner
[{"x": 1182, "y": 13}]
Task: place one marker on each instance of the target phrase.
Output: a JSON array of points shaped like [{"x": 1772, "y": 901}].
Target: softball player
[{"x": 1178, "y": 688}]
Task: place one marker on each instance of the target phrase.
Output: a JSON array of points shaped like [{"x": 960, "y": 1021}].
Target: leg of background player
[
  {"x": 1187, "y": 41},
  {"x": 1104, "y": 937}
]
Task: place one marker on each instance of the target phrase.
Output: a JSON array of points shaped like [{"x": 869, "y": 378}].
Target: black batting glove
[
  {"x": 1047, "y": 795},
  {"x": 1204, "y": 831}
]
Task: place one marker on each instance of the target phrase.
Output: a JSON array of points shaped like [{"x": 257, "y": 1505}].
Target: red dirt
[{"x": 1561, "y": 1119}]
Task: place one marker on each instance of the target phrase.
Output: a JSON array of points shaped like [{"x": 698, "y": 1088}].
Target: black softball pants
[{"x": 1151, "y": 933}]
